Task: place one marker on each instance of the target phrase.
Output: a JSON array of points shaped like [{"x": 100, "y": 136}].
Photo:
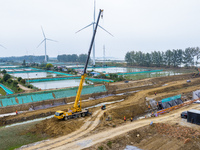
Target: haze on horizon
[{"x": 146, "y": 25}]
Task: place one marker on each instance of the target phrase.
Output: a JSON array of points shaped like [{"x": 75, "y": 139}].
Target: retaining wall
[{"x": 10, "y": 100}]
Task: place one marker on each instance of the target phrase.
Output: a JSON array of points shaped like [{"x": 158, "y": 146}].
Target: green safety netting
[{"x": 47, "y": 95}]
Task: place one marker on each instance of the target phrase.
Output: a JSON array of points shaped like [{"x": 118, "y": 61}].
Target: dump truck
[{"x": 76, "y": 111}]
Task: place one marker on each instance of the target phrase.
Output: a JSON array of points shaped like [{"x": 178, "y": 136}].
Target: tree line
[
  {"x": 27, "y": 58},
  {"x": 169, "y": 58},
  {"x": 72, "y": 58}
]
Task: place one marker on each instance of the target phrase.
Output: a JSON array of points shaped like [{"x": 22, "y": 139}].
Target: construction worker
[
  {"x": 124, "y": 119},
  {"x": 131, "y": 119},
  {"x": 155, "y": 93},
  {"x": 157, "y": 105},
  {"x": 149, "y": 107},
  {"x": 16, "y": 112},
  {"x": 152, "y": 114}
]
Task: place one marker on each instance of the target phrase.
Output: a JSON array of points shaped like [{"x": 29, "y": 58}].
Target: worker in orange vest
[
  {"x": 157, "y": 105},
  {"x": 124, "y": 119},
  {"x": 149, "y": 107},
  {"x": 16, "y": 112}
]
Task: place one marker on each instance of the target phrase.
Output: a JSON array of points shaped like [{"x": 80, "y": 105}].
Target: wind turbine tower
[
  {"x": 94, "y": 23},
  {"x": 45, "y": 44}
]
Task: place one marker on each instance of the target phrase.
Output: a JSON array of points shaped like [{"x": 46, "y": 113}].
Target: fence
[{"x": 47, "y": 95}]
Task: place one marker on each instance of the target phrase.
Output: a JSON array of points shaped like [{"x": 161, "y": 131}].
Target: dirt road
[{"x": 74, "y": 142}]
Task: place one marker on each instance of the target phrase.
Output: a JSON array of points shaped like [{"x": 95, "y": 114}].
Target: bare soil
[
  {"x": 134, "y": 105},
  {"x": 158, "y": 136}
]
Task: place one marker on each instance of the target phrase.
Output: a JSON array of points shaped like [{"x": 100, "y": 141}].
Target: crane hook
[{"x": 102, "y": 13}]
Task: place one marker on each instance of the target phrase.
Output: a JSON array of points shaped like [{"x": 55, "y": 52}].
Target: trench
[{"x": 51, "y": 116}]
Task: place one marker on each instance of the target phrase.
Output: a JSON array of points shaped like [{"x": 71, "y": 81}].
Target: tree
[
  {"x": 168, "y": 55},
  {"x": 113, "y": 76},
  {"x": 10, "y": 81},
  {"x": 147, "y": 60},
  {"x": 128, "y": 58},
  {"x": 19, "y": 79},
  {"x": 6, "y": 77},
  {"x": 24, "y": 63},
  {"x": 4, "y": 71},
  {"x": 187, "y": 57},
  {"x": 48, "y": 66},
  {"x": 23, "y": 81},
  {"x": 15, "y": 83},
  {"x": 82, "y": 58}
]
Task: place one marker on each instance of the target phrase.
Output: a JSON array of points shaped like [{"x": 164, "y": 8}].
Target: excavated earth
[
  {"x": 158, "y": 136},
  {"x": 120, "y": 87},
  {"x": 134, "y": 105}
]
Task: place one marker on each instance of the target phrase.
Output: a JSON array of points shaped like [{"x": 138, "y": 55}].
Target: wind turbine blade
[
  {"x": 3, "y": 46},
  {"x": 105, "y": 30},
  {"x": 43, "y": 32},
  {"x": 84, "y": 28},
  {"x": 41, "y": 43},
  {"x": 52, "y": 40}
]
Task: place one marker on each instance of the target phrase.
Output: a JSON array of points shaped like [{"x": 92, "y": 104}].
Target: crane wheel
[
  {"x": 79, "y": 115},
  {"x": 83, "y": 114},
  {"x": 66, "y": 118}
]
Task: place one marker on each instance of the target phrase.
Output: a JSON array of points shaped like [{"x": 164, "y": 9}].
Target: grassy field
[
  {"x": 15, "y": 137},
  {"x": 2, "y": 92}
]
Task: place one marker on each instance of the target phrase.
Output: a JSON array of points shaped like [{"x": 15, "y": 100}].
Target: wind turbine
[
  {"x": 2, "y": 46},
  {"x": 45, "y": 44},
  {"x": 93, "y": 23}
]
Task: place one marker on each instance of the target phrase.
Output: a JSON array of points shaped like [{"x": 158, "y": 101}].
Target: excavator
[{"x": 76, "y": 111}]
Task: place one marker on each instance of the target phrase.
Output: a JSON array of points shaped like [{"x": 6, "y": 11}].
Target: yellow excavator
[{"x": 76, "y": 111}]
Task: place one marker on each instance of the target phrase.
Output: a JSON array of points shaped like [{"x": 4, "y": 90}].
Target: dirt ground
[
  {"x": 158, "y": 136},
  {"x": 134, "y": 105},
  {"x": 119, "y": 87}
]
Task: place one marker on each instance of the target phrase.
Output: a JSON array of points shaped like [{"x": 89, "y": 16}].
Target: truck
[{"x": 76, "y": 111}]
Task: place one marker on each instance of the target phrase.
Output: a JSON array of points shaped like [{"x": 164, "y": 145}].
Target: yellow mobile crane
[{"x": 76, "y": 111}]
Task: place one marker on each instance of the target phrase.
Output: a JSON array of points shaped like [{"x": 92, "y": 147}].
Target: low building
[{"x": 193, "y": 116}]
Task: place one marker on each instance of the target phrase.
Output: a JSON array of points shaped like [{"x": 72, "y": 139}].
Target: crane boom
[
  {"x": 83, "y": 76},
  {"x": 76, "y": 111}
]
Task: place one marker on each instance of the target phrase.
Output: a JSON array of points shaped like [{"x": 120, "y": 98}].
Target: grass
[
  {"x": 2, "y": 92},
  {"x": 15, "y": 137},
  {"x": 109, "y": 144},
  {"x": 15, "y": 89},
  {"x": 100, "y": 148}
]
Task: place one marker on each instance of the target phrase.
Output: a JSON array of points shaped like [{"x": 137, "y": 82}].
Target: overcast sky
[{"x": 144, "y": 25}]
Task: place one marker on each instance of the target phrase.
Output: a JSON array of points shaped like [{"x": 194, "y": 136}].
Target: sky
[{"x": 139, "y": 25}]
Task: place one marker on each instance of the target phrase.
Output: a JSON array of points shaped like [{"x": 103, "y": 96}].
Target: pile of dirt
[
  {"x": 54, "y": 127},
  {"x": 135, "y": 104},
  {"x": 179, "y": 132},
  {"x": 153, "y": 137},
  {"x": 50, "y": 111}
]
